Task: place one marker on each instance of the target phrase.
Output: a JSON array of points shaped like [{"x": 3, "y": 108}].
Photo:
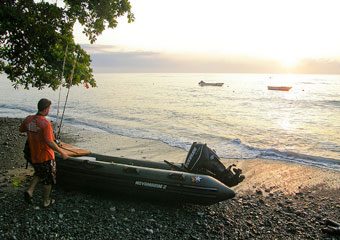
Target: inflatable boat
[{"x": 141, "y": 178}]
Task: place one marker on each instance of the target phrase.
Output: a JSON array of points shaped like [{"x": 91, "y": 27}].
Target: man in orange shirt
[{"x": 42, "y": 146}]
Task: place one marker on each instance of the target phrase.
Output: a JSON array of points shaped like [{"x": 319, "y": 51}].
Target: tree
[{"x": 36, "y": 39}]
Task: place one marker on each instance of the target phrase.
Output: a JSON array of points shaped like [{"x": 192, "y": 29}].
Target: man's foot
[
  {"x": 49, "y": 202},
  {"x": 27, "y": 197}
]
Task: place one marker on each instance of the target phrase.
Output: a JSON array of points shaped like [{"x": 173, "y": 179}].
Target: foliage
[
  {"x": 16, "y": 182},
  {"x": 36, "y": 37}
]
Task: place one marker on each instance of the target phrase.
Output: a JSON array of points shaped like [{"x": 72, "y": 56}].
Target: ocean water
[{"x": 241, "y": 119}]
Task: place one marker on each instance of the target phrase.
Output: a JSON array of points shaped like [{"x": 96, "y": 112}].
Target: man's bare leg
[
  {"x": 33, "y": 183},
  {"x": 47, "y": 193}
]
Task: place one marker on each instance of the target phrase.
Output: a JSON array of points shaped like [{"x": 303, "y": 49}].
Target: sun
[{"x": 289, "y": 61}]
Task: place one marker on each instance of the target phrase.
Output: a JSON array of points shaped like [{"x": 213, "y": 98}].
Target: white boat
[{"x": 202, "y": 84}]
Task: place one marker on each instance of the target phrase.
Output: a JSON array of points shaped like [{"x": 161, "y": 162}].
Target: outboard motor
[{"x": 201, "y": 159}]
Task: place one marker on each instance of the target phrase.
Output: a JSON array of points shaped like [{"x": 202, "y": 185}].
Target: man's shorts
[{"x": 46, "y": 171}]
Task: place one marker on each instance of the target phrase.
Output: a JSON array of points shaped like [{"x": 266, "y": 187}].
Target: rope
[
  {"x": 61, "y": 79},
  {"x": 68, "y": 91}
]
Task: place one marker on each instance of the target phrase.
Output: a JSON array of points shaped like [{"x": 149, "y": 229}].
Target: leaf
[
  {"x": 16, "y": 182},
  {"x": 34, "y": 37}
]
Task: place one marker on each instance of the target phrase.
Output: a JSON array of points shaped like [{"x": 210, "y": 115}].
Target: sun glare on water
[{"x": 285, "y": 124}]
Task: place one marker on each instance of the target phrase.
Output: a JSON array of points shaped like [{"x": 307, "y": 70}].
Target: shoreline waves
[
  {"x": 277, "y": 200},
  {"x": 241, "y": 120}
]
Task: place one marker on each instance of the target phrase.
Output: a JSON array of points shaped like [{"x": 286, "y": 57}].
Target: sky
[{"x": 221, "y": 36}]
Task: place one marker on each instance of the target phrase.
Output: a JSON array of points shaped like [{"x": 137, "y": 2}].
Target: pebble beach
[{"x": 277, "y": 200}]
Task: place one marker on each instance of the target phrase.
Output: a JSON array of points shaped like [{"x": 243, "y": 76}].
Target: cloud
[
  {"x": 98, "y": 48},
  {"x": 107, "y": 58},
  {"x": 319, "y": 66}
]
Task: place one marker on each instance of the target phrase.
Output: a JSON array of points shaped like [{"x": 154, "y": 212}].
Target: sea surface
[{"x": 241, "y": 119}]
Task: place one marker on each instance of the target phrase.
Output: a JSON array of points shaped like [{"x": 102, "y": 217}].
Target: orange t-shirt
[{"x": 39, "y": 132}]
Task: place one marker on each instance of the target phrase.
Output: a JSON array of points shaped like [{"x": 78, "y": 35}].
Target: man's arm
[
  {"x": 56, "y": 148},
  {"x": 49, "y": 139}
]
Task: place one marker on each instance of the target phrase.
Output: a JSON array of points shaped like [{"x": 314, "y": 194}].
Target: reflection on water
[
  {"x": 239, "y": 119},
  {"x": 285, "y": 124}
]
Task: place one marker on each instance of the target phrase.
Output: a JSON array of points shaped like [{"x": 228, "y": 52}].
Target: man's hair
[{"x": 43, "y": 104}]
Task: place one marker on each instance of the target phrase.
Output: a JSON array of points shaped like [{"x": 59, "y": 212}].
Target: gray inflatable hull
[{"x": 154, "y": 180}]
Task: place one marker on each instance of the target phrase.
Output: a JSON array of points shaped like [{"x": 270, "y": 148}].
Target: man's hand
[{"x": 64, "y": 155}]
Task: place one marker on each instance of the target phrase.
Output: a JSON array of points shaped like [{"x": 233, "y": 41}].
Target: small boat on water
[
  {"x": 155, "y": 180},
  {"x": 279, "y": 88},
  {"x": 202, "y": 83}
]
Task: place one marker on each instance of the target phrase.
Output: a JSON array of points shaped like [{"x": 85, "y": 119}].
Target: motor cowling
[{"x": 202, "y": 159}]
